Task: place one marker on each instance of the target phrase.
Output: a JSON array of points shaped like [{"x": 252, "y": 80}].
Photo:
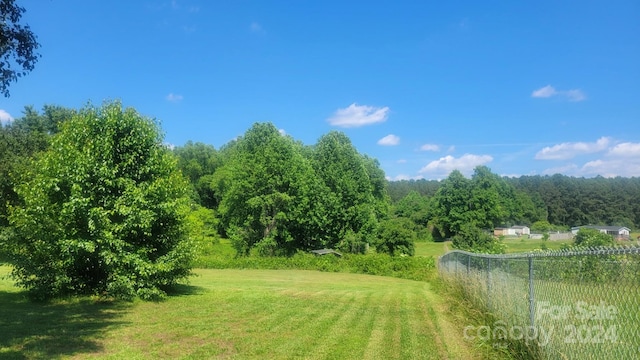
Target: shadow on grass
[
  {"x": 184, "y": 290},
  {"x": 48, "y": 330}
]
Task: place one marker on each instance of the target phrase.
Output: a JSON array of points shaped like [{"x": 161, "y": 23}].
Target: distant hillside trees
[
  {"x": 562, "y": 200},
  {"x": 572, "y": 201},
  {"x": 198, "y": 162},
  {"x": 101, "y": 212},
  {"x": 20, "y": 140}
]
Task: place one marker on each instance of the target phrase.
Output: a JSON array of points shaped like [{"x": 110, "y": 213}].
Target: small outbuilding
[
  {"x": 618, "y": 232},
  {"x": 321, "y": 252},
  {"x": 516, "y": 230}
]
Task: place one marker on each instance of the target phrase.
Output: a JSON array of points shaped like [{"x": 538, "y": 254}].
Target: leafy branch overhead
[{"x": 18, "y": 45}]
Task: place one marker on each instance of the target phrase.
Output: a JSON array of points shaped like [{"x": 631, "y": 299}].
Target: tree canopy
[
  {"x": 18, "y": 45},
  {"x": 102, "y": 212},
  {"x": 269, "y": 196},
  {"x": 20, "y": 140}
]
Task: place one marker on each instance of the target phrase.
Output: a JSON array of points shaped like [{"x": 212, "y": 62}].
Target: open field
[
  {"x": 430, "y": 248},
  {"x": 517, "y": 245},
  {"x": 514, "y": 245},
  {"x": 241, "y": 314}
]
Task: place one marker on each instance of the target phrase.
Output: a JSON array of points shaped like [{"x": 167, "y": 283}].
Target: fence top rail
[{"x": 574, "y": 251}]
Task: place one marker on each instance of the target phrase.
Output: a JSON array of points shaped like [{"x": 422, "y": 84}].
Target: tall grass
[
  {"x": 412, "y": 268},
  {"x": 218, "y": 254},
  {"x": 577, "y": 313}
]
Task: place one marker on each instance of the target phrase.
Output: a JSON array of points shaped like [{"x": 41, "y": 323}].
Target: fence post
[
  {"x": 468, "y": 264},
  {"x": 489, "y": 283},
  {"x": 455, "y": 264},
  {"x": 531, "y": 294}
]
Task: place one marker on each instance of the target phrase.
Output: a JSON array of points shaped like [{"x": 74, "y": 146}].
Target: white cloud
[
  {"x": 404, "y": 177},
  {"x": 623, "y": 159},
  {"x": 611, "y": 167},
  {"x": 5, "y": 117},
  {"x": 451, "y": 149},
  {"x": 429, "y": 147},
  {"x": 544, "y": 92},
  {"x": 574, "y": 95},
  {"x": 174, "y": 97},
  {"x": 282, "y": 132},
  {"x": 626, "y": 149},
  {"x": 464, "y": 164},
  {"x": 569, "y": 150},
  {"x": 389, "y": 140},
  {"x": 603, "y": 167},
  {"x": 358, "y": 115},
  {"x": 402, "y": 161},
  {"x": 549, "y": 91},
  {"x": 569, "y": 169}
]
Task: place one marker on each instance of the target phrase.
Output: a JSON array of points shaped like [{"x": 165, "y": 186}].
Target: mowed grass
[
  {"x": 241, "y": 314},
  {"x": 513, "y": 245},
  {"x": 517, "y": 245},
  {"x": 431, "y": 248}
]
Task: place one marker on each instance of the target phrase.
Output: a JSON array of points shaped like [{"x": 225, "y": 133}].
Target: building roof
[
  {"x": 602, "y": 227},
  {"x": 325, "y": 252}
]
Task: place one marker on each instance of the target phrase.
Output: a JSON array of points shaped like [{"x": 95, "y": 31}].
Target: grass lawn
[
  {"x": 514, "y": 245},
  {"x": 255, "y": 314},
  {"x": 517, "y": 245},
  {"x": 430, "y": 248}
]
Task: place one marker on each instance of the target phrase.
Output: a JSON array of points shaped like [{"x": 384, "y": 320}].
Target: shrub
[{"x": 103, "y": 213}]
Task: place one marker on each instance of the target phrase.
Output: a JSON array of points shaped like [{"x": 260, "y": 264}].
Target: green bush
[
  {"x": 103, "y": 213},
  {"x": 413, "y": 268},
  {"x": 473, "y": 239}
]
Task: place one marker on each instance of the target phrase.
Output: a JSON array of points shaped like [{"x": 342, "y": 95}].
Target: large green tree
[
  {"x": 357, "y": 192},
  {"x": 18, "y": 45},
  {"x": 270, "y": 197},
  {"x": 452, "y": 205},
  {"x": 103, "y": 211},
  {"x": 484, "y": 202}
]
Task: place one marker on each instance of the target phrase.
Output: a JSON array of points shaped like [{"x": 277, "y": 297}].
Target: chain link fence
[{"x": 567, "y": 304}]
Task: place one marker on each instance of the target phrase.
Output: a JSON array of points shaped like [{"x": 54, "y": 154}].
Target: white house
[
  {"x": 618, "y": 232},
  {"x": 516, "y": 230}
]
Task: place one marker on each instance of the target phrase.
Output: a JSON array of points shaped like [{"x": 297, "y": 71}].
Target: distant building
[
  {"x": 321, "y": 252},
  {"x": 516, "y": 230},
  {"x": 618, "y": 232}
]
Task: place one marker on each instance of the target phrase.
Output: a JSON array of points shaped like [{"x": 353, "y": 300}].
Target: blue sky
[{"x": 524, "y": 87}]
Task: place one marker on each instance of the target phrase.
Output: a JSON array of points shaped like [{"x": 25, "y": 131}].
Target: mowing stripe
[
  {"x": 340, "y": 337},
  {"x": 314, "y": 331},
  {"x": 377, "y": 347}
]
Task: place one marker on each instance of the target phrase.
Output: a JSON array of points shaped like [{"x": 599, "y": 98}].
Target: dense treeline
[
  {"x": 574, "y": 201},
  {"x": 273, "y": 195},
  {"x": 567, "y": 201}
]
